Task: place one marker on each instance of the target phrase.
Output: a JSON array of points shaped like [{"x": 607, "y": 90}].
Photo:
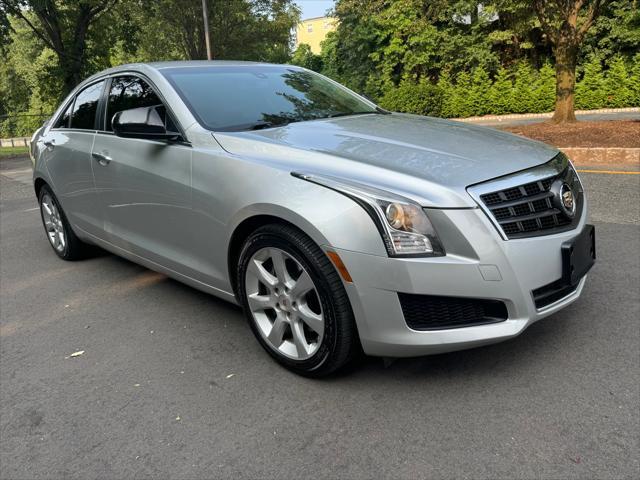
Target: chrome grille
[{"x": 529, "y": 209}]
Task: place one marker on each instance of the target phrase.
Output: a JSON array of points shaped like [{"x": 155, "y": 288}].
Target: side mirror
[{"x": 143, "y": 122}]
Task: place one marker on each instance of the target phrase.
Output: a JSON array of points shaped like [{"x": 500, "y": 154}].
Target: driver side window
[{"x": 129, "y": 92}]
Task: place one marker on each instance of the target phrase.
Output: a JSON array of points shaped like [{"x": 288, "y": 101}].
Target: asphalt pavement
[{"x": 172, "y": 383}]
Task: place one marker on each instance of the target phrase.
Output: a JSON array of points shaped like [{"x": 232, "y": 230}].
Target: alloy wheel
[
  {"x": 284, "y": 303},
  {"x": 53, "y": 223}
]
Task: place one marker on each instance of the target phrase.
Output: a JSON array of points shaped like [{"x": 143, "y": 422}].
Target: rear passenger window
[
  {"x": 129, "y": 92},
  {"x": 63, "y": 120},
  {"x": 86, "y": 106}
]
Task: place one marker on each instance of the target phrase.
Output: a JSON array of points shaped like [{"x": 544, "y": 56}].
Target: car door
[
  {"x": 68, "y": 158},
  {"x": 144, "y": 186}
]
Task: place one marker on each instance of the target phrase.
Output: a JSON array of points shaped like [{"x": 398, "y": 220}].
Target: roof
[
  {"x": 317, "y": 18},
  {"x": 202, "y": 63},
  {"x": 145, "y": 66}
]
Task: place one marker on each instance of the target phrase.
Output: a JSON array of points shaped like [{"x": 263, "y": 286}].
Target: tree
[
  {"x": 63, "y": 26},
  {"x": 304, "y": 57},
  {"x": 240, "y": 29},
  {"x": 565, "y": 23}
]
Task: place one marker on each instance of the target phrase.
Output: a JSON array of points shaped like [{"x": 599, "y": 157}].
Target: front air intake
[{"x": 430, "y": 312}]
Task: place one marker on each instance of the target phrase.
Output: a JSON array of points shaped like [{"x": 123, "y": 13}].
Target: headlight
[{"x": 405, "y": 228}]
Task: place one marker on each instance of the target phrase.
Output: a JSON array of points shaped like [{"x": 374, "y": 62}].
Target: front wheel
[{"x": 295, "y": 302}]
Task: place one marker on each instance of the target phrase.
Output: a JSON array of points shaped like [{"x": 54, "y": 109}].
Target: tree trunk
[
  {"x": 72, "y": 73},
  {"x": 566, "y": 56}
]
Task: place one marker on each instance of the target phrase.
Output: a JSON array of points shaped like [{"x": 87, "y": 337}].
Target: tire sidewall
[
  {"x": 45, "y": 190},
  {"x": 266, "y": 239}
]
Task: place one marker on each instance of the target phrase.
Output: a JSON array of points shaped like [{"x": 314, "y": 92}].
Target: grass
[{"x": 13, "y": 151}]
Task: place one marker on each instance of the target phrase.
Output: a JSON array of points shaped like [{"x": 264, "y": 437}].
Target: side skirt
[{"x": 156, "y": 267}]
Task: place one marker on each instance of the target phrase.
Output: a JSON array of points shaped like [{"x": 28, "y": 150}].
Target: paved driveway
[{"x": 172, "y": 383}]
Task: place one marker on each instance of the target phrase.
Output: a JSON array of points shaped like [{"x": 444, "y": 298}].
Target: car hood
[{"x": 406, "y": 153}]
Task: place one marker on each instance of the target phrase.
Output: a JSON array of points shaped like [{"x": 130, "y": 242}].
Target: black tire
[
  {"x": 75, "y": 249},
  {"x": 340, "y": 342}
]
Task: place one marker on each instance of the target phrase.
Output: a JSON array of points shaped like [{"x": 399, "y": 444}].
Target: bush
[
  {"x": 544, "y": 92},
  {"x": 304, "y": 57},
  {"x": 590, "y": 88},
  {"x": 634, "y": 82},
  {"x": 421, "y": 98},
  {"x": 458, "y": 100},
  {"x": 479, "y": 92},
  {"x": 617, "y": 88},
  {"x": 519, "y": 90},
  {"x": 500, "y": 93},
  {"x": 522, "y": 101}
]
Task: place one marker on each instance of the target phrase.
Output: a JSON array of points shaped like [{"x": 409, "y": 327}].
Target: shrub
[
  {"x": 458, "y": 100},
  {"x": 518, "y": 90},
  {"x": 421, "y": 98},
  {"x": 499, "y": 98},
  {"x": 522, "y": 99},
  {"x": 634, "y": 82},
  {"x": 478, "y": 94},
  {"x": 304, "y": 57},
  {"x": 590, "y": 88},
  {"x": 543, "y": 97},
  {"x": 617, "y": 91}
]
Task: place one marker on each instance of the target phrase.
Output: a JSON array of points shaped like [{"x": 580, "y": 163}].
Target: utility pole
[{"x": 205, "y": 17}]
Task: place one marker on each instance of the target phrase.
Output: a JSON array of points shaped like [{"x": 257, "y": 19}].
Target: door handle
[{"x": 103, "y": 160}]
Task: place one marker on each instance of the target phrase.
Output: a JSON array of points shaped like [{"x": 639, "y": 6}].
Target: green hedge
[{"x": 518, "y": 90}]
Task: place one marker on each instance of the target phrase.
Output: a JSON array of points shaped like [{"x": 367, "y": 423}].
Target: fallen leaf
[{"x": 77, "y": 354}]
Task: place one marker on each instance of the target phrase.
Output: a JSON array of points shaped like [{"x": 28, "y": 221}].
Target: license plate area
[{"x": 578, "y": 255}]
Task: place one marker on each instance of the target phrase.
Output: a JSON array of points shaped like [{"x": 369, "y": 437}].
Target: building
[{"x": 312, "y": 31}]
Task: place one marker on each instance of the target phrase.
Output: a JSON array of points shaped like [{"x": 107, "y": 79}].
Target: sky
[{"x": 314, "y": 8}]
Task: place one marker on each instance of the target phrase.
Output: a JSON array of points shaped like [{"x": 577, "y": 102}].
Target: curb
[
  {"x": 15, "y": 142},
  {"x": 629, "y": 157},
  {"x": 13, "y": 156},
  {"x": 524, "y": 116}
]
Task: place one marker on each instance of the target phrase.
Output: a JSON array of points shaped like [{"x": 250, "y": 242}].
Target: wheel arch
[
  {"x": 38, "y": 183},
  {"x": 264, "y": 216}
]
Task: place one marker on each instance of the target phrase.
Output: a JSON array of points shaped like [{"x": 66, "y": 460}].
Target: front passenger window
[{"x": 129, "y": 92}]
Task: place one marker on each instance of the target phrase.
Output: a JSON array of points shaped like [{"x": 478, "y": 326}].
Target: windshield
[{"x": 232, "y": 98}]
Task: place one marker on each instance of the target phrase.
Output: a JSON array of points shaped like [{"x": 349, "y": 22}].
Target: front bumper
[{"x": 479, "y": 264}]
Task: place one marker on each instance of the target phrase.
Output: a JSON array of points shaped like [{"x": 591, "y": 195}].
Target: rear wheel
[
  {"x": 59, "y": 233},
  {"x": 295, "y": 302}
]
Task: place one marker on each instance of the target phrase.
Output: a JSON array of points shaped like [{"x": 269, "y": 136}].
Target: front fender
[{"x": 329, "y": 218}]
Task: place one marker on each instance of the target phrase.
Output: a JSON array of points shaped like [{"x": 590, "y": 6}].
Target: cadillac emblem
[{"x": 567, "y": 200}]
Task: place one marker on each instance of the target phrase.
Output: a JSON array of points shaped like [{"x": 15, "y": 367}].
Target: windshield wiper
[
  {"x": 260, "y": 126},
  {"x": 348, "y": 114},
  {"x": 263, "y": 125}
]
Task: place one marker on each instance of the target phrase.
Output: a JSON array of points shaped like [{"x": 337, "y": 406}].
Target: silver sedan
[{"x": 338, "y": 226}]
